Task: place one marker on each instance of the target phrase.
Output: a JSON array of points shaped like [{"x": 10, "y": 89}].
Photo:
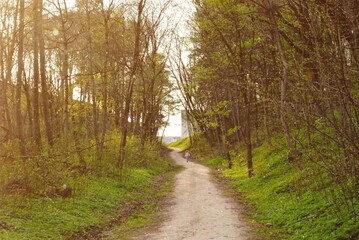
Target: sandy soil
[{"x": 198, "y": 209}]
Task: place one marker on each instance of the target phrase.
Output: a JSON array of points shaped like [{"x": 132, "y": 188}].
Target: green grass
[
  {"x": 294, "y": 201},
  {"x": 101, "y": 201},
  {"x": 97, "y": 205},
  {"x": 48, "y": 218},
  {"x": 182, "y": 143},
  {"x": 147, "y": 214}
]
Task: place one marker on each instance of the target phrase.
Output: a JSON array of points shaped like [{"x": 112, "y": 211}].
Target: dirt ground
[{"x": 198, "y": 209}]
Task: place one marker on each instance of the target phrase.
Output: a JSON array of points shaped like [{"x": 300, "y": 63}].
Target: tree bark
[
  {"x": 44, "y": 91},
  {"x": 65, "y": 71},
  {"x": 93, "y": 85},
  {"x": 8, "y": 73},
  {"x": 248, "y": 134},
  {"x": 36, "y": 107},
  {"x": 20, "y": 62},
  {"x": 106, "y": 17}
]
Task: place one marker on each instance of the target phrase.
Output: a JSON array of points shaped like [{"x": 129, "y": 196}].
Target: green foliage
[
  {"x": 182, "y": 143},
  {"x": 217, "y": 162},
  {"x": 221, "y": 108},
  {"x": 294, "y": 201},
  {"x": 201, "y": 149},
  {"x": 146, "y": 156}
]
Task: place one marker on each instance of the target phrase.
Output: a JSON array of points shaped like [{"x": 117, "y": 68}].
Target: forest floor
[{"x": 198, "y": 208}]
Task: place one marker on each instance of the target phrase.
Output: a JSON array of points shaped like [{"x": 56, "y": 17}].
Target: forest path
[{"x": 198, "y": 209}]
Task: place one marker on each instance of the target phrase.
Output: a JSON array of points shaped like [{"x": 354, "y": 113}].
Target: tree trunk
[
  {"x": 27, "y": 91},
  {"x": 248, "y": 131},
  {"x": 20, "y": 62},
  {"x": 136, "y": 60},
  {"x": 65, "y": 73},
  {"x": 284, "y": 84},
  {"x": 106, "y": 16},
  {"x": 93, "y": 86},
  {"x": 8, "y": 73},
  {"x": 44, "y": 91},
  {"x": 36, "y": 107}
]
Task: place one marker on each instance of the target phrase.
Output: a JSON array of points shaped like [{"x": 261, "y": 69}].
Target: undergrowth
[{"x": 99, "y": 197}]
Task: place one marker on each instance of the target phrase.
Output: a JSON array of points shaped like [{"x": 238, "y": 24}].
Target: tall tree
[
  {"x": 8, "y": 44},
  {"x": 20, "y": 63},
  {"x": 136, "y": 58},
  {"x": 65, "y": 39},
  {"x": 272, "y": 8},
  {"x": 90, "y": 51},
  {"x": 44, "y": 89},
  {"x": 36, "y": 73}
]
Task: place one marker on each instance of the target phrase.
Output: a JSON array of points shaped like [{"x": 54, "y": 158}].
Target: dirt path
[{"x": 198, "y": 209}]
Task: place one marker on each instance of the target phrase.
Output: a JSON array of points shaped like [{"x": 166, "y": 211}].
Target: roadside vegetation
[{"x": 101, "y": 199}]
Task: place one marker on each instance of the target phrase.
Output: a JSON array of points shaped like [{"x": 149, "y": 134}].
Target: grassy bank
[
  {"x": 182, "y": 143},
  {"x": 290, "y": 203},
  {"x": 101, "y": 201},
  {"x": 104, "y": 203}
]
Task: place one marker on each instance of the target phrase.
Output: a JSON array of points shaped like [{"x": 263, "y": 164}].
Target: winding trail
[{"x": 198, "y": 210}]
